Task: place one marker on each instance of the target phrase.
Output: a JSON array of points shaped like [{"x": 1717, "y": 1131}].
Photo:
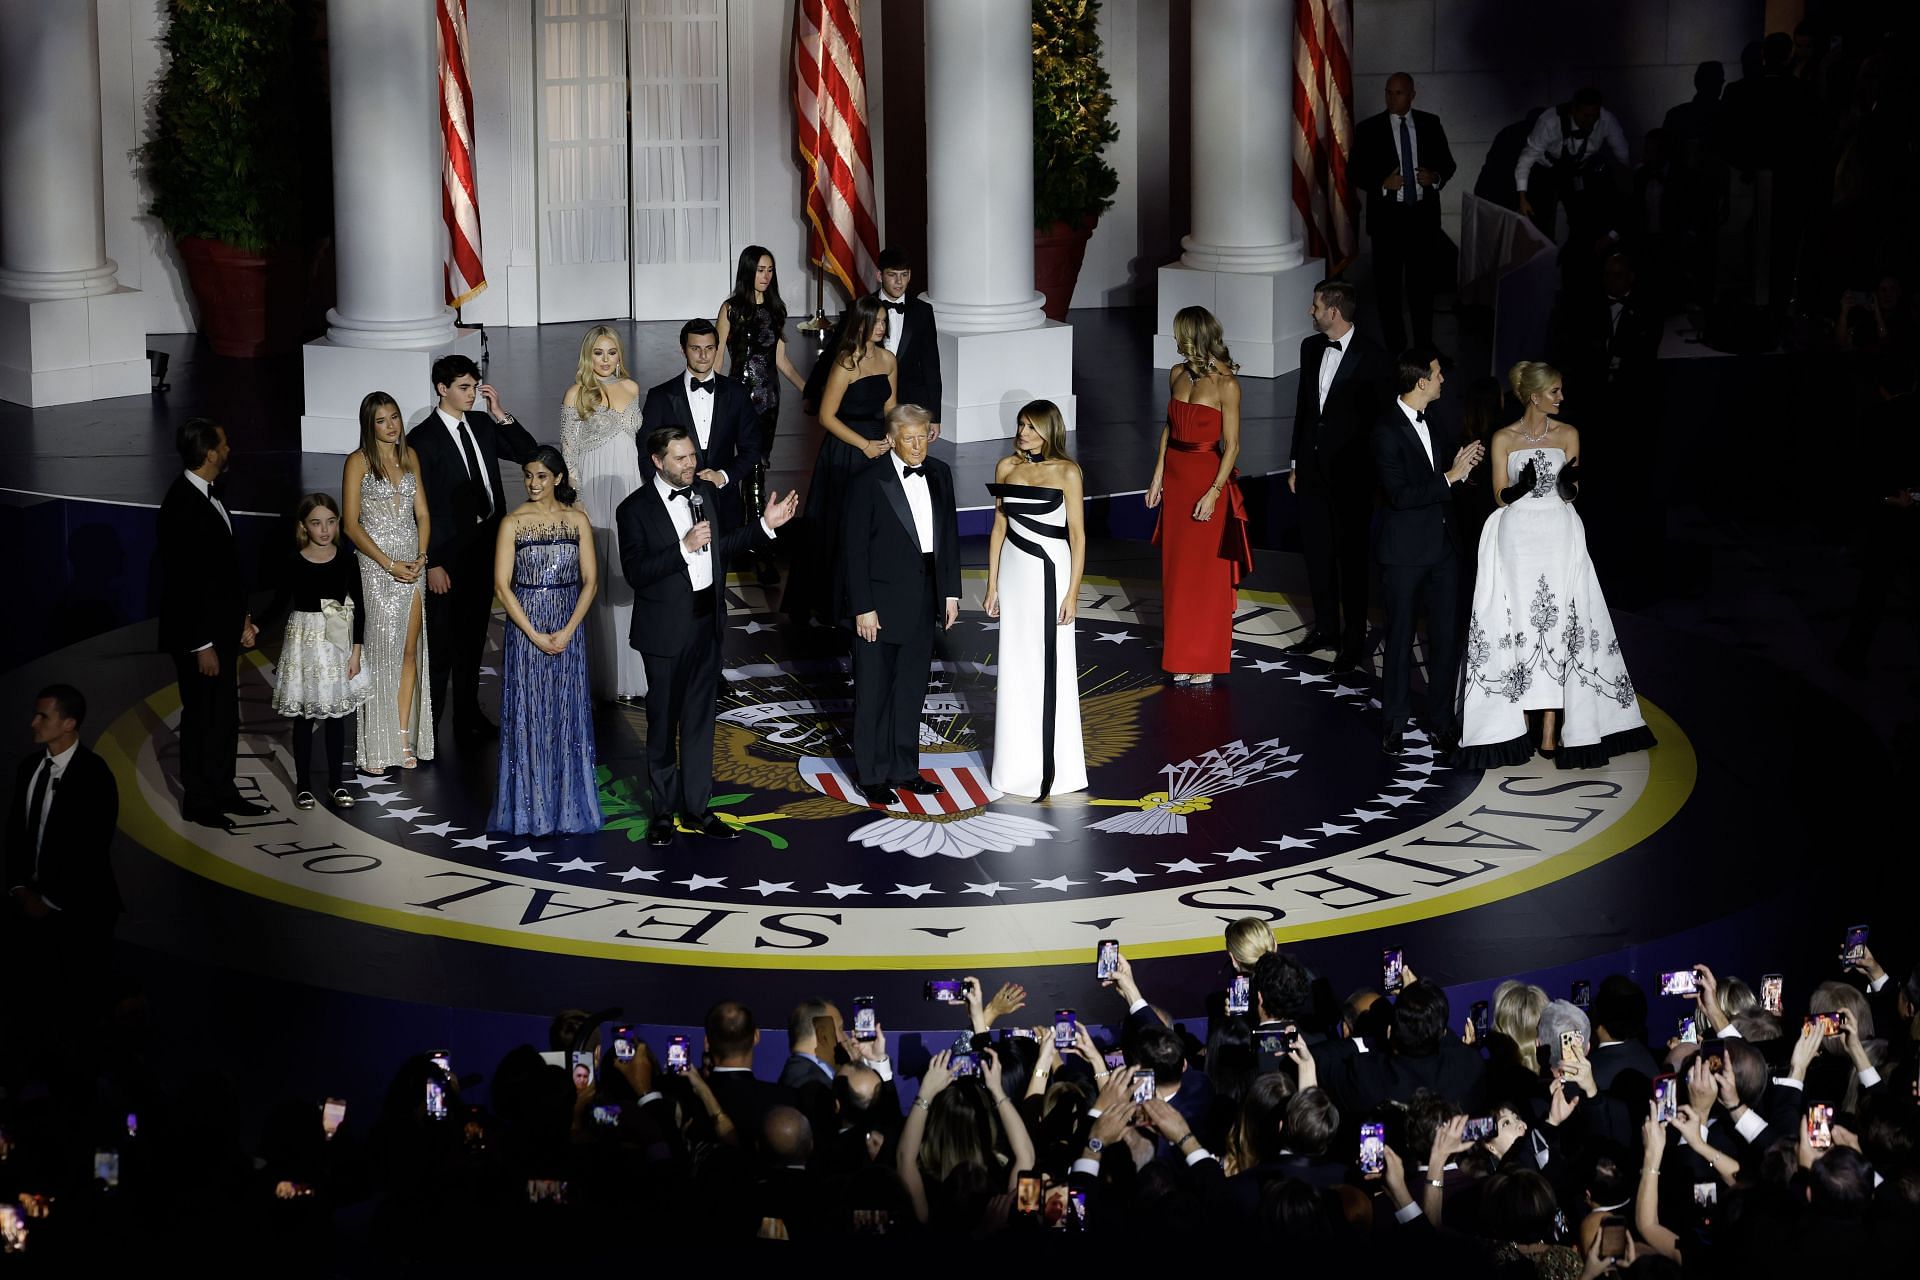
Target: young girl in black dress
[{"x": 319, "y": 676}]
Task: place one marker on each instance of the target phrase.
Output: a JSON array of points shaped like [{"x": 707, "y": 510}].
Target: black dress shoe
[
  {"x": 1310, "y": 643},
  {"x": 1348, "y": 661},
  {"x": 1394, "y": 742},
  {"x": 920, "y": 787},
  {"x": 660, "y": 831},
  {"x": 243, "y": 808},
  {"x": 714, "y": 827},
  {"x": 1442, "y": 739},
  {"x": 876, "y": 794},
  {"x": 208, "y": 818}
]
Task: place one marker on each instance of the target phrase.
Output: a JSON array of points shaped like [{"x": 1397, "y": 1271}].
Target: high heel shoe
[{"x": 407, "y": 758}]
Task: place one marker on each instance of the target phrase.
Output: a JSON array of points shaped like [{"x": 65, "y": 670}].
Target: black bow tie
[
  {"x": 1333, "y": 344},
  {"x": 697, "y": 385},
  {"x": 680, "y": 493},
  {"x": 913, "y": 471},
  {"x": 898, "y": 308},
  {"x": 1419, "y": 415}
]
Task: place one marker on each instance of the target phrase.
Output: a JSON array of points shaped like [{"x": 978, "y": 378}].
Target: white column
[
  {"x": 1244, "y": 259},
  {"x": 68, "y": 331},
  {"x": 997, "y": 348},
  {"x": 390, "y": 321}
]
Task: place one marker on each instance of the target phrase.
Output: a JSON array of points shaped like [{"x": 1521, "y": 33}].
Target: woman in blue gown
[{"x": 546, "y": 784}]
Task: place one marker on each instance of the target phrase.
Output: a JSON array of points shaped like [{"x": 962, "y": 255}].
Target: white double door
[{"x": 630, "y": 158}]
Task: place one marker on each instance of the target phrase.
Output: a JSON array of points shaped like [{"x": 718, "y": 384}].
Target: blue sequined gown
[{"x": 546, "y": 784}]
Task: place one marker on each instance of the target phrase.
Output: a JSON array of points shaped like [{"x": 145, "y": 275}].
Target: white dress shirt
[
  {"x": 919, "y": 501},
  {"x": 206, "y": 491},
  {"x": 680, "y": 511},
  {"x": 701, "y": 402},
  {"x": 1548, "y": 142},
  {"x": 463, "y": 438},
  {"x": 1409, "y": 191},
  {"x": 1330, "y": 361},
  {"x": 896, "y": 320},
  {"x": 1419, "y": 428}
]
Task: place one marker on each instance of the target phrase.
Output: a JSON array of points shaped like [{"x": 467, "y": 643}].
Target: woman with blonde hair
[
  {"x": 1035, "y": 556},
  {"x": 1201, "y": 560},
  {"x": 1540, "y": 637},
  {"x": 1248, "y": 938},
  {"x": 599, "y": 439}
]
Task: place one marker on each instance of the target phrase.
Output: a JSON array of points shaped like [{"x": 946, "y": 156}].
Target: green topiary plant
[
  {"x": 239, "y": 151},
  {"x": 1071, "y": 103}
]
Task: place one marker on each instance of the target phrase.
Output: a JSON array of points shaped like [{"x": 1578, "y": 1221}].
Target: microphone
[{"x": 697, "y": 508}]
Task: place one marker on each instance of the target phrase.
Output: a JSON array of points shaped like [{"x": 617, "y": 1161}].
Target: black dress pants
[
  {"x": 1334, "y": 527},
  {"x": 889, "y": 693},
  {"x": 681, "y": 690},
  {"x": 209, "y": 730},
  {"x": 1403, "y": 252},
  {"x": 456, "y": 624},
  {"x": 1411, "y": 589}
]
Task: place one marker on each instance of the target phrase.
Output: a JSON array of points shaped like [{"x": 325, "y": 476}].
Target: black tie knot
[
  {"x": 898, "y": 308},
  {"x": 1419, "y": 415},
  {"x": 913, "y": 471},
  {"x": 1333, "y": 344},
  {"x": 697, "y": 385},
  {"x": 680, "y": 493}
]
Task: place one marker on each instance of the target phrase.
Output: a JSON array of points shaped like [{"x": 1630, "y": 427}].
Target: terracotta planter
[
  {"x": 250, "y": 303},
  {"x": 1058, "y": 252}
]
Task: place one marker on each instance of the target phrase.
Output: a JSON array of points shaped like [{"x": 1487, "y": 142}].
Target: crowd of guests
[{"x": 1528, "y": 1136}]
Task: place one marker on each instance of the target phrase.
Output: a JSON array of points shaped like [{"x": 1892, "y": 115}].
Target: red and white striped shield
[{"x": 962, "y": 776}]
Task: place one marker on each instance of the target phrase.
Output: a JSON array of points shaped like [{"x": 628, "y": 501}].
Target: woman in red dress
[{"x": 1202, "y": 532}]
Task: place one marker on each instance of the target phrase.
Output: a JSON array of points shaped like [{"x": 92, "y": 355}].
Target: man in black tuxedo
[
  {"x": 60, "y": 884},
  {"x": 1421, "y": 1054},
  {"x": 715, "y": 411},
  {"x": 1419, "y": 462},
  {"x": 458, "y": 449},
  {"x": 1343, "y": 384},
  {"x": 732, "y": 1036},
  {"x": 912, "y": 337},
  {"x": 900, "y": 562},
  {"x": 204, "y": 624},
  {"x": 1400, "y": 163},
  {"x": 677, "y": 566}
]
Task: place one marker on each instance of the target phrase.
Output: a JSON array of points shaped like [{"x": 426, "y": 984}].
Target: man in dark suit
[
  {"x": 732, "y": 1037},
  {"x": 1419, "y": 461},
  {"x": 59, "y": 875},
  {"x": 1343, "y": 385},
  {"x": 204, "y": 624},
  {"x": 715, "y": 411},
  {"x": 1622, "y": 1063},
  {"x": 1400, "y": 163},
  {"x": 676, "y": 563},
  {"x": 900, "y": 562},
  {"x": 1421, "y": 1054},
  {"x": 912, "y": 337},
  {"x": 458, "y": 450}
]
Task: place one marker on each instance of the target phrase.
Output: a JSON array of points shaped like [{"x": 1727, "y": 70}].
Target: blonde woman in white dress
[{"x": 599, "y": 438}]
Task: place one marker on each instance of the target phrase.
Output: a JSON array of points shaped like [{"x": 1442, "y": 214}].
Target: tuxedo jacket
[
  {"x": 882, "y": 569},
  {"x": 918, "y": 354},
  {"x": 203, "y": 599},
  {"x": 1416, "y": 519},
  {"x": 654, "y": 567},
  {"x": 733, "y": 439},
  {"x": 75, "y": 872},
  {"x": 1454, "y": 1072},
  {"x": 1376, "y": 154},
  {"x": 454, "y": 499},
  {"x": 1330, "y": 443}
]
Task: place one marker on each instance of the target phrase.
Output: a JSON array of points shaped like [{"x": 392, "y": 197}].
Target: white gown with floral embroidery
[{"x": 1540, "y": 636}]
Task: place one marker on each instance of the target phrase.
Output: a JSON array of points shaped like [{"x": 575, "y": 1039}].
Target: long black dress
[{"x": 811, "y": 590}]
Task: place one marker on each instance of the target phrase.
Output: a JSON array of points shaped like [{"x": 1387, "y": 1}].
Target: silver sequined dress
[
  {"x": 386, "y": 513},
  {"x": 603, "y": 457}
]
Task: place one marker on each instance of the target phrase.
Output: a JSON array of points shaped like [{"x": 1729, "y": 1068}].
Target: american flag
[
  {"x": 830, "y": 114},
  {"x": 1323, "y": 127},
  {"x": 459, "y": 189}
]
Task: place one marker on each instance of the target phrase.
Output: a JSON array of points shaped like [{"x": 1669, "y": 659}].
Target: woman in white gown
[
  {"x": 1034, "y": 562},
  {"x": 599, "y": 438},
  {"x": 1540, "y": 637}
]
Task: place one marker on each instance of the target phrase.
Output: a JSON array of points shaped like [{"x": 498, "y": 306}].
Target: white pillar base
[
  {"x": 986, "y": 377},
  {"x": 70, "y": 350},
  {"x": 1264, "y": 314},
  {"x": 339, "y": 377}
]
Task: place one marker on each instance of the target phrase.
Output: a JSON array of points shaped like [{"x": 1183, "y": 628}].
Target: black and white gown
[
  {"x": 1037, "y": 747},
  {"x": 1540, "y": 637}
]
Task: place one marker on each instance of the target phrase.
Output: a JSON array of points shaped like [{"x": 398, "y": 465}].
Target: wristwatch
[{"x": 1094, "y": 1144}]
